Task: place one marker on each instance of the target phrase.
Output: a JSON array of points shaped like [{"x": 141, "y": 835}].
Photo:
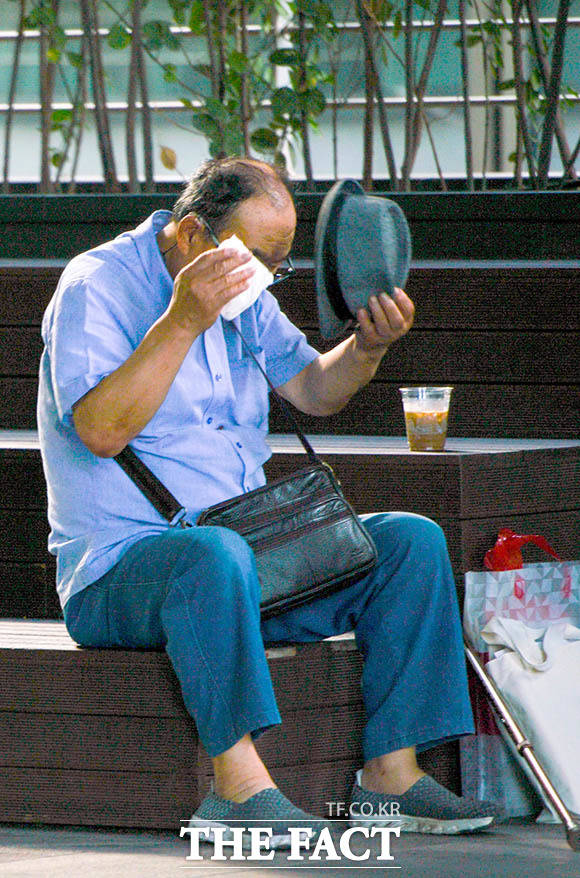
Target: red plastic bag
[{"x": 507, "y": 555}]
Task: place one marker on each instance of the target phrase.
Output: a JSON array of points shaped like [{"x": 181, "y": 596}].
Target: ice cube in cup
[{"x": 426, "y": 411}]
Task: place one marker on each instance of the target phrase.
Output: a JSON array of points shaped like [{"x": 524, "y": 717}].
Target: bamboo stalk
[
  {"x": 519, "y": 88},
  {"x": 244, "y": 89},
  {"x": 75, "y": 99},
  {"x": 303, "y": 54},
  {"x": 544, "y": 69},
  {"x": 131, "y": 115},
  {"x": 222, "y": 31},
  {"x": 553, "y": 92},
  {"x": 211, "y": 49},
  {"x": 409, "y": 66},
  {"x": 368, "y": 126},
  {"x": 423, "y": 79},
  {"x": 367, "y": 23},
  {"x": 83, "y": 100},
  {"x": 12, "y": 95},
  {"x": 466, "y": 105},
  {"x": 46, "y": 72},
  {"x": 146, "y": 119},
  {"x": 90, "y": 26}
]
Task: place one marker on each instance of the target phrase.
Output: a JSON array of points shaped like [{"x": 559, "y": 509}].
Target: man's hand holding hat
[{"x": 384, "y": 320}]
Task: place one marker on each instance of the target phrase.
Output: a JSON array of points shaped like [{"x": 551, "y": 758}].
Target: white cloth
[{"x": 258, "y": 283}]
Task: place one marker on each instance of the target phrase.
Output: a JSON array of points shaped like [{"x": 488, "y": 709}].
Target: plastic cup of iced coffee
[{"x": 426, "y": 410}]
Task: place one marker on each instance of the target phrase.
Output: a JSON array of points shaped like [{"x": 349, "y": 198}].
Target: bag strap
[
  {"x": 161, "y": 497},
  {"x": 281, "y": 402},
  {"x": 155, "y": 491}
]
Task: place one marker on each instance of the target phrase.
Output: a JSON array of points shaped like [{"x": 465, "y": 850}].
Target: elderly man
[{"x": 137, "y": 351}]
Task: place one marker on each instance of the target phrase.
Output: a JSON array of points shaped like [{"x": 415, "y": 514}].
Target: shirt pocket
[{"x": 250, "y": 388}]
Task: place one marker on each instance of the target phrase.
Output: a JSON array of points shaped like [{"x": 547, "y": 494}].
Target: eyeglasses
[{"x": 282, "y": 272}]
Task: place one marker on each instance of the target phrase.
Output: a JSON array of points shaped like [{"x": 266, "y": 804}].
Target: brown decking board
[
  {"x": 92, "y": 736},
  {"x": 504, "y": 333},
  {"x": 516, "y": 295},
  {"x": 84, "y": 739},
  {"x": 149, "y": 800},
  {"x": 447, "y": 356}
]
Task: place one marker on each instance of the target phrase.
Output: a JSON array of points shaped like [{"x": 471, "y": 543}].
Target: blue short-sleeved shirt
[{"x": 207, "y": 441}]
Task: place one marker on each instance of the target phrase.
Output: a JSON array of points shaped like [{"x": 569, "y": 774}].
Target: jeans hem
[
  {"x": 256, "y": 728},
  {"x": 424, "y": 740}
]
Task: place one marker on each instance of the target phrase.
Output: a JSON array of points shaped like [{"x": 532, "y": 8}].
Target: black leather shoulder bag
[{"x": 307, "y": 539}]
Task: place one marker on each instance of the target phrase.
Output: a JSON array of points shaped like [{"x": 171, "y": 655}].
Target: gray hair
[{"x": 220, "y": 185}]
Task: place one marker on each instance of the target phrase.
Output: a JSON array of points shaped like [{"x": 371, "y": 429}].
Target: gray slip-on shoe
[
  {"x": 268, "y": 809},
  {"x": 425, "y": 807}
]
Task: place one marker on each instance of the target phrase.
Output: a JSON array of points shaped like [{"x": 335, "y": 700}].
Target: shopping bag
[
  {"x": 538, "y": 674},
  {"x": 537, "y": 594}
]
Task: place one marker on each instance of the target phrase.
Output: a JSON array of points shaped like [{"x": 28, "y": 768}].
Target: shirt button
[
  {"x": 238, "y": 444},
  {"x": 209, "y": 420},
  {"x": 218, "y": 377}
]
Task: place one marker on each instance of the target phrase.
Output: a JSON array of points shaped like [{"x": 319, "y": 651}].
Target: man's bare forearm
[{"x": 329, "y": 382}]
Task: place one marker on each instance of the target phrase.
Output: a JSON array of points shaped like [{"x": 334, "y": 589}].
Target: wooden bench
[{"x": 101, "y": 736}]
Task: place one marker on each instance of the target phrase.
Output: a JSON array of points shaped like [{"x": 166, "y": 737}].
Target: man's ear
[{"x": 189, "y": 235}]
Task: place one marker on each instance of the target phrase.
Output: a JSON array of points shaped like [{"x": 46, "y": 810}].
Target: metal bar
[
  {"x": 347, "y": 26},
  {"x": 174, "y": 106}
]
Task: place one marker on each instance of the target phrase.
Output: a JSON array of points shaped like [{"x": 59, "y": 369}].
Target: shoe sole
[
  {"x": 273, "y": 843},
  {"x": 428, "y": 825}
]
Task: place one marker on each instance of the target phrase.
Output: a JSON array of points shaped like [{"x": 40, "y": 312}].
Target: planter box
[{"x": 444, "y": 225}]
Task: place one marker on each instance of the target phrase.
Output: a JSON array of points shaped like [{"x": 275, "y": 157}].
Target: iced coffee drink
[{"x": 426, "y": 410}]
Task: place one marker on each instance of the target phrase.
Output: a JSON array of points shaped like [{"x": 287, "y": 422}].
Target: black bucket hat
[{"x": 362, "y": 247}]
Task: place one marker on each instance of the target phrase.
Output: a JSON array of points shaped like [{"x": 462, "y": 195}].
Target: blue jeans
[{"x": 195, "y": 592}]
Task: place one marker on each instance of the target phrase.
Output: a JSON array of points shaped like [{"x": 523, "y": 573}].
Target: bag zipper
[
  {"x": 264, "y": 517},
  {"x": 291, "y": 536}
]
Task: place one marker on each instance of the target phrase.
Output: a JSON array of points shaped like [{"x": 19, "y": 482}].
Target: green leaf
[
  {"x": 506, "y": 84},
  {"x": 397, "y": 24},
  {"x": 196, "y": 18},
  {"x": 118, "y": 37},
  {"x": 170, "y": 73},
  {"x": 313, "y": 101},
  {"x": 285, "y": 100},
  {"x": 178, "y": 8},
  {"x": 472, "y": 40},
  {"x": 75, "y": 59},
  {"x": 232, "y": 139},
  {"x": 264, "y": 140},
  {"x": 158, "y": 35},
  {"x": 237, "y": 61},
  {"x": 40, "y": 16},
  {"x": 56, "y": 159},
  {"x": 284, "y": 57},
  {"x": 53, "y": 55},
  {"x": 206, "y": 124},
  {"x": 216, "y": 109},
  {"x": 57, "y": 117}
]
